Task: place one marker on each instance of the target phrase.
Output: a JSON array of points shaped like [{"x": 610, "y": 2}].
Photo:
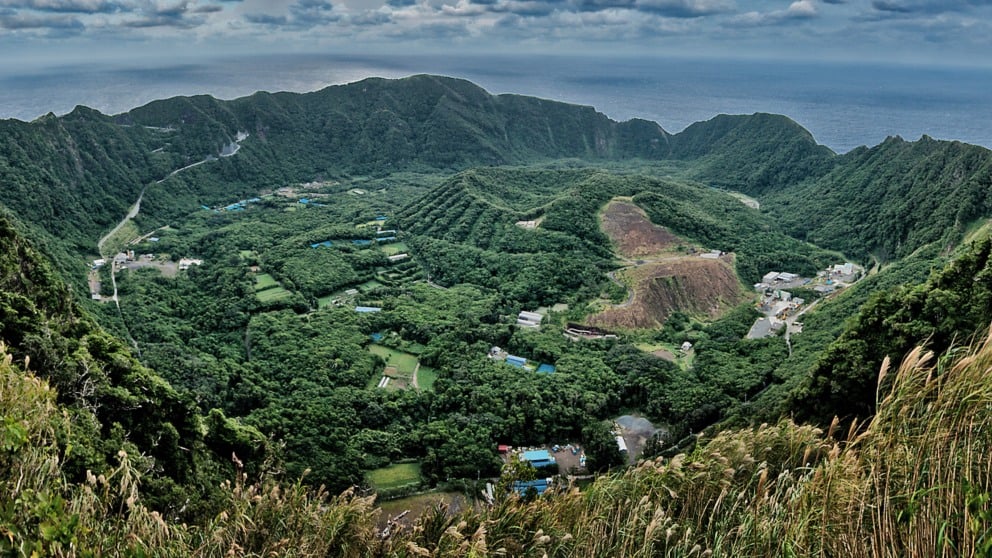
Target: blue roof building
[
  {"x": 545, "y": 369},
  {"x": 539, "y": 485},
  {"x": 516, "y": 361},
  {"x": 539, "y": 458},
  {"x": 367, "y": 309}
]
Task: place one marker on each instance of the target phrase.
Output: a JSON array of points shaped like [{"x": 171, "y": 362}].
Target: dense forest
[{"x": 322, "y": 288}]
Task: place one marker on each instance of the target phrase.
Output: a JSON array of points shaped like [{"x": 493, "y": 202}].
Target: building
[
  {"x": 367, "y": 309},
  {"x": 538, "y": 458},
  {"x": 398, "y": 257},
  {"x": 185, "y": 263},
  {"x": 686, "y": 347},
  {"x": 516, "y": 361},
  {"x": 529, "y": 319},
  {"x": 540, "y": 486},
  {"x": 621, "y": 444},
  {"x": 545, "y": 369},
  {"x": 787, "y": 277}
]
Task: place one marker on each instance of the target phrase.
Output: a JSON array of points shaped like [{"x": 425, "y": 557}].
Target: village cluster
[{"x": 781, "y": 309}]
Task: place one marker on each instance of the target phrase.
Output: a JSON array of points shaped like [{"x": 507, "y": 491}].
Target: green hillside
[{"x": 228, "y": 391}]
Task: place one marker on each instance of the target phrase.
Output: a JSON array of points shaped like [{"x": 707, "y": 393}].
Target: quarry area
[{"x": 664, "y": 274}]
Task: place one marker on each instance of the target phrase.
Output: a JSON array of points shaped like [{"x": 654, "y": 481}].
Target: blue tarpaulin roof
[
  {"x": 515, "y": 361},
  {"x": 545, "y": 369},
  {"x": 326, "y": 244},
  {"x": 367, "y": 309},
  {"x": 537, "y": 455},
  {"x": 521, "y": 487}
]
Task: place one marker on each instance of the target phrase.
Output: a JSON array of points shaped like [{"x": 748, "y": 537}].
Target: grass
[
  {"x": 369, "y": 285},
  {"x": 405, "y": 363},
  {"x": 394, "y": 248},
  {"x": 426, "y": 376},
  {"x": 394, "y": 476},
  {"x": 118, "y": 241},
  {"x": 265, "y": 281},
  {"x": 272, "y": 294}
]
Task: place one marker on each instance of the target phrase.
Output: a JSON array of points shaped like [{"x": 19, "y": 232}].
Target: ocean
[{"x": 844, "y": 105}]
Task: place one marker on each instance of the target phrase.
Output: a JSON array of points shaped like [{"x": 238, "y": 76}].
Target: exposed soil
[
  {"x": 636, "y": 433},
  {"x": 664, "y": 354},
  {"x": 633, "y": 233},
  {"x": 660, "y": 279}
]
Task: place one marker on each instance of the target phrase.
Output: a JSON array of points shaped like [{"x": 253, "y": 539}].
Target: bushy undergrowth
[{"x": 915, "y": 481}]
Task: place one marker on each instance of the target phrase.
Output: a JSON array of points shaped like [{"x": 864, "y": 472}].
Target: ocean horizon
[{"x": 844, "y": 105}]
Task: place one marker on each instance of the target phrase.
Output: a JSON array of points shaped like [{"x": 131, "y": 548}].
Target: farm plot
[
  {"x": 403, "y": 370},
  {"x": 267, "y": 289}
]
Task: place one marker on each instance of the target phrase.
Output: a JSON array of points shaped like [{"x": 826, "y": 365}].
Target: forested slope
[
  {"x": 891, "y": 199},
  {"x": 114, "y": 403}
]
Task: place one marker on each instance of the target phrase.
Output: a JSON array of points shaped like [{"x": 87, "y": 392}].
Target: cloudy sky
[{"x": 957, "y": 32}]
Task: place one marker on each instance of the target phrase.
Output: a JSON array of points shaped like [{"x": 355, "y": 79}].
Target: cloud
[
  {"x": 799, "y": 10},
  {"x": 163, "y": 14},
  {"x": 67, "y": 6},
  {"x": 21, "y": 21},
  {"x": 905, "y": 7},
  {"x": 686, "y": 8}
]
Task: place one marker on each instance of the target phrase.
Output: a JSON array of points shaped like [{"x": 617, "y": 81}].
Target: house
[
  {"x": 538, "y": 458},
  {"x": 787, "y": 277},
  {"x": 686, "y": 347},
  {"x": 711, "y": 255},
  {"x": 503, "y": 449},
  {"x": 99, "y": 263}
]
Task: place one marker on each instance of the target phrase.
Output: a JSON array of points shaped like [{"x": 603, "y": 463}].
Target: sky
[{"x": 930, "y": 32}]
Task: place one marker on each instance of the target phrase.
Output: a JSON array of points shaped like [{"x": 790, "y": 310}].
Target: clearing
[
  {"x": 661, "y": 280},
  {"x": 633, "y": 234},
  {"x": 403, "y": 370},
  {"x": 396, "y": 475}
]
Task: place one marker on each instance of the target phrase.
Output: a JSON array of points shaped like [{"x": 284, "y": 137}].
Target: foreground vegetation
[{"x": 915, "y": 481}]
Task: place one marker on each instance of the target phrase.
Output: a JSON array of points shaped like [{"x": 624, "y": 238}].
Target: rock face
[{"x": 692, "y": 285}]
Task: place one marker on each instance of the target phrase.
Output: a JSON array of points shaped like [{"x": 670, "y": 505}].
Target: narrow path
[{"x": 416, "y": 369}]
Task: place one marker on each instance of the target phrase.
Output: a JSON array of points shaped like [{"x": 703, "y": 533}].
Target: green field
[
  {"x": 405, "y": 363},
  {"x": 395, "y": 476},
  {"x": 272, "y": 294},
  {"x": 394, "y": 248},
  {"x": 369, "y": 285},
  {"x": 246, "y": 253},
  {"x": 426, "y": 377},
  {"x": 265, "y": 281}
]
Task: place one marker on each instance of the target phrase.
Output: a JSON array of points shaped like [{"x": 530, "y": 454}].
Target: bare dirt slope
[
  {"x": 632, "y": 233},
  {"x": 663, "y": 280},
  {"x": 689, "y": 284}
]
